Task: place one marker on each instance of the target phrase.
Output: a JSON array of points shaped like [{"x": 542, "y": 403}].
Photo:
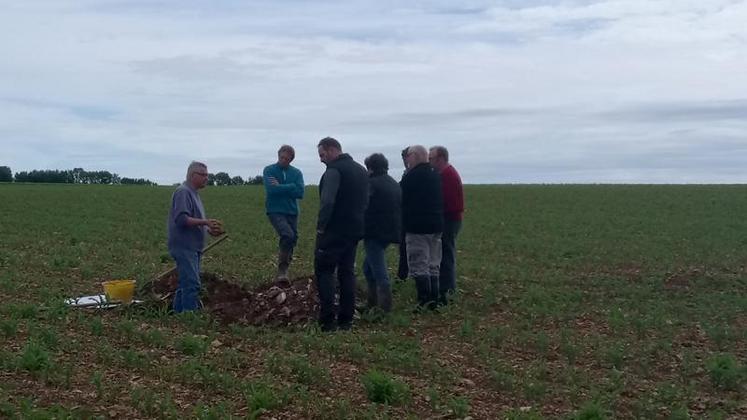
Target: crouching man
[{"x": 187, "y": 226}]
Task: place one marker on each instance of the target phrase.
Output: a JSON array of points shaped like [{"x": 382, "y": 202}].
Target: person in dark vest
[
  {"x": 343, "y": 192},
  {"x": 453, "y": 193},
  {"x": 383, "y": 226},
  {"x": 422, "y": 220}
]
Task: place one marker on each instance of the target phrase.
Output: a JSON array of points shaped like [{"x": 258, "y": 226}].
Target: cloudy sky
[{"x": 520, "y": 91}]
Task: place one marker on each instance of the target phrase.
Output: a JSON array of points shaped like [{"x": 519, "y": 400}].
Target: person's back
[
  {"x": 384, "y": 211},
  {"x": 383, "y": 226},
  {"x": 422, "y": 200},
  {"x": 422, "y": 208},
  {"x": 352, "y": 198}
]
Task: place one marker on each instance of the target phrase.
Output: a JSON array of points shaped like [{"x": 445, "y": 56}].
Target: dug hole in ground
[{"x": 297, "y": 304}]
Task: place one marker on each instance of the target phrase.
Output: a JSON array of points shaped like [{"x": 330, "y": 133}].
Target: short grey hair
[
  {"x": 441, "y": 152},
  {"x": 193, "y": 168},
  {"x": 421, "y": 155}
]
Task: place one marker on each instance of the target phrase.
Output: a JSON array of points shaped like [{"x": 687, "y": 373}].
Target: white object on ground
[{"x": 94, "y": 301}]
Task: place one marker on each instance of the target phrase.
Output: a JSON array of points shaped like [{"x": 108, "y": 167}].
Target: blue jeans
[
  {"x": 448, "y": 257},
  {"x": 187, "y": 295},
  {"x": 286, "y": 226},
  {"x": 374, "y": 265}
]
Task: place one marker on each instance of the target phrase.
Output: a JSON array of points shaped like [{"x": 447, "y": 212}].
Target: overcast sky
[{"x": 520, "y": 91}]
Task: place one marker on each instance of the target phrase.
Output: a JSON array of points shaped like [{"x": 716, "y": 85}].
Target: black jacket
[
  {"x": 347, "y": 218},
  {"x": 384, "y": 212},
  {"x": 422, "y": 200}
]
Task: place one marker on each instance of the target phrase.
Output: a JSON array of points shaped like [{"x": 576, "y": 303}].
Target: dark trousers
[
  {"x": 447, "y": 275},
  {"x": 286, "y": 226},
  {"x": 334, "y": 253},
  {"x": 403, "y": 271}
]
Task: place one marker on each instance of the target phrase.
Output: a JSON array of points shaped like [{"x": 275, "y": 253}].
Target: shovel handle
[{"x": 214, "y": 243}]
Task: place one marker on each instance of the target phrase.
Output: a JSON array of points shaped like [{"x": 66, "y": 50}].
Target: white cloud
[{"x": 520, "y": 91}]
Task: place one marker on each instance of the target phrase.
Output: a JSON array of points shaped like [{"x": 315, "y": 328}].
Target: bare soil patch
[{"x": 268, "y": 304}]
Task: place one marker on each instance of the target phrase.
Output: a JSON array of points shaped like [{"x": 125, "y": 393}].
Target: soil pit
[{"x": 297, "y": 304}]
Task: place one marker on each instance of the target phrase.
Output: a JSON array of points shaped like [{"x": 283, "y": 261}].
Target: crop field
[{"x": 575, "y": 302}]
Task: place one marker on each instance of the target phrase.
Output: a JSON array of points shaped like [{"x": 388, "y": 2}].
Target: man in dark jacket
[
  {"x": 383, "y": 226},
  {"x": 422, "y": 220},
  {"x": 343, "y": 193}
]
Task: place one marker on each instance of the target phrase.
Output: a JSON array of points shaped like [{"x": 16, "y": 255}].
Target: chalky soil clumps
[{"x": 270, "y": 305}]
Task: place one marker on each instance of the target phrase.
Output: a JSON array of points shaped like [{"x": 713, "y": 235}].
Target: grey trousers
[{"x": 423, "y": 254}]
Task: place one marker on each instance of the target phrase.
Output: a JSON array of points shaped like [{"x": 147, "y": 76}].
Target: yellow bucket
[{"x": 121, "y": 290}]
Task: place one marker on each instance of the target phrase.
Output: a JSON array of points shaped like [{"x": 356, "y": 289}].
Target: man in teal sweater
[{"x": 283, "y": 187}]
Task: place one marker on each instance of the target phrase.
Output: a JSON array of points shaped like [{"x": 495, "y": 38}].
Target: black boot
[
  {"x": 402, "y": 268},
  {"x": 385, "y": 298},
  {"x": 423, "y": 288},
  {"x": 443, "y": 293},
  {"x": 443, "y": 298},
  {"x": 433, "y": 295}
]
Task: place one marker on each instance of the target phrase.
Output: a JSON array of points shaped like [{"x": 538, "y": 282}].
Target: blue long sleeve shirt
[{"x": 283, "y": 198}]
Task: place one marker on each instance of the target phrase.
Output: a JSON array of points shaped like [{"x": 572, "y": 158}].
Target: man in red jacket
[{"x": 453, "y": 196}]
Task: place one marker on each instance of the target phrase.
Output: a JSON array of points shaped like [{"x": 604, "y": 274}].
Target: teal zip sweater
[{"x": 283, "y": 198}]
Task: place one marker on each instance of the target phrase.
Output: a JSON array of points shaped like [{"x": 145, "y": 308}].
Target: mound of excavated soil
[{"x": 265, "y": 305}]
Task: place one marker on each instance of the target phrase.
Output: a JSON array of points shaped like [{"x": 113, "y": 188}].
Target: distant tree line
[
  {"x": 5, "y": 174},
  {"x": 222, "y": 178},
  {"x": 70, "y": 176},
  {"x": 81, "y": 176}
]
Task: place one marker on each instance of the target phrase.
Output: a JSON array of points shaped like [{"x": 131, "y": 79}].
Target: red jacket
[{"x": 453, "y": 193}]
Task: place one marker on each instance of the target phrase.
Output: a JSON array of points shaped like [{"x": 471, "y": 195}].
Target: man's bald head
[{"x": 417, "y": 154}]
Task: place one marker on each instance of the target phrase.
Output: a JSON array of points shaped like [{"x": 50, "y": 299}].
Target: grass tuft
[{"x": 382, "y": 388}]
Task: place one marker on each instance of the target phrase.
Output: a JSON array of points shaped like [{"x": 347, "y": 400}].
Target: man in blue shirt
[
  {"x": 187, "y": 226},
  {"x": 283, "y": 187}
]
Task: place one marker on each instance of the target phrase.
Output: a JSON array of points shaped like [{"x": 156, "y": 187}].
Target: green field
[{"x": 575, "y": 302}]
